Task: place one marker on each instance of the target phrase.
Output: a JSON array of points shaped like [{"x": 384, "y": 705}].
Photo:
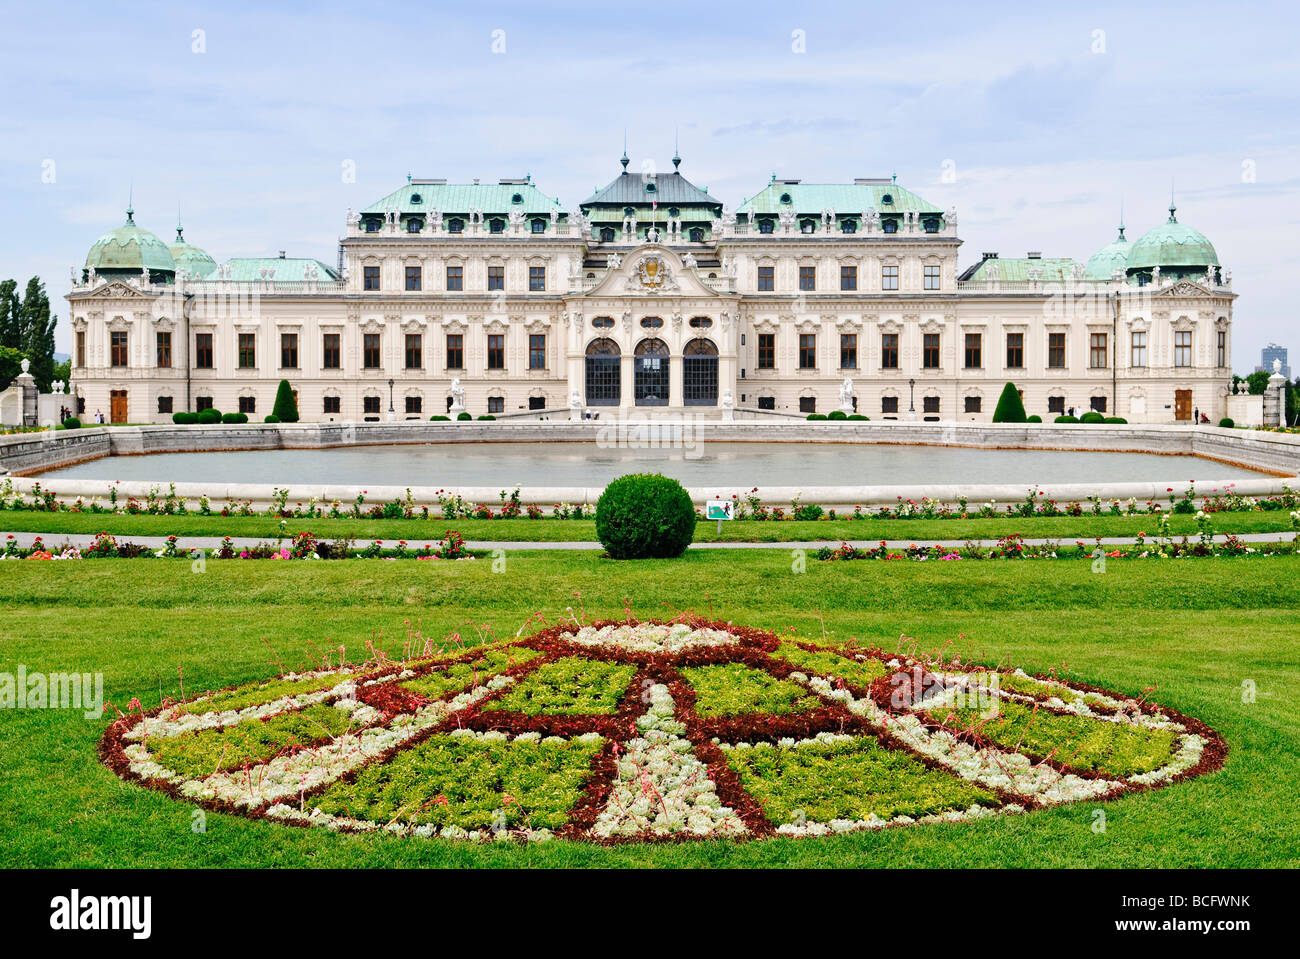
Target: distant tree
[
  {"x": 286, "y": 407},
  {"x": 1010, "y": 408},
  {"x": 1257, "y": 382},
  {"x": 63, "y": 370},
  {"x": 38, "y": 333},
  {"x": 10, "y": 333}
]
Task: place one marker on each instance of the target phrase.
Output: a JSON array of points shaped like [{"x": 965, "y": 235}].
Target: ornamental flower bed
[{"x": 652, "y": 731}]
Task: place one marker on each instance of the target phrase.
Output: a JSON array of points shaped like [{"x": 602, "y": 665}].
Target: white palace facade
[{"x": 652, "y": 296}]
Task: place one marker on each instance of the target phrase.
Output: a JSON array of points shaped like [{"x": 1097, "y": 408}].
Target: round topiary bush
[
  {"x": 1227, "y": 423},
  {"x": 438, "y": 417},
  {"x": 858, "y": 416},
  {"x": 645, "y": 516},
  {"x": 184, "y": 418},
  {"x": 487, "y": 416},
  {"x": 271, "y": 418},
  {"x": 210, "y": 415},
  {"x": 816, "y": 416},
  {"x": 1092, "y": 416},
  {"x": 1116, "y": 420},
  {"x": 1034, "y": 418},
  {"x": 1066, "y": 418},
  {"x": 837, "y": 415},
  {"x": 72, "y": 423},
  {"x": 234, "y": 417},
  {"x": 464, "y": 416}
]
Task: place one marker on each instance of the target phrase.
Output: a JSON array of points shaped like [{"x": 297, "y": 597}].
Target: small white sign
[{"x": 718, "y": 509}]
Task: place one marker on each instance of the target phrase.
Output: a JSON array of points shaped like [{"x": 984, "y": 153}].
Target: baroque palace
[{"x": 652, "y": 295}]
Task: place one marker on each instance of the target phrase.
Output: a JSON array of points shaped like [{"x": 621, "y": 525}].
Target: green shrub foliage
[
  {"x": 645, "y": 516},
  {"x": 1010, "y": 408},
  {"x": 286, "y": 407}
]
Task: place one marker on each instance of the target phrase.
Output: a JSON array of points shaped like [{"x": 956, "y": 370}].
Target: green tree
[
  {"x": 38, "y": 333},
  {"x": 286, "y": 407},
  {"x": 10, "y": 333},
  {"x": 1010, "y": 408},
  {"x": 1257, "y": 382}
]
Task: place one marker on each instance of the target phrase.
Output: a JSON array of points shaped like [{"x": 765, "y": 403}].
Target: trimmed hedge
[
  {"x": 463, "y": 416},
  {"x": 487, "y": 416},
  {"x": 439, "y": 417},
  {"x": 285, "y": 408},
  {"x": 1066, "y": 418},
  {"x": 816, "y": 416},
  {"x": 1092, "y": 416},
  {"x": 1010, "y": 408},
  {"x": 185, "y": 419},
  {"x": 72, "y": 423},
  {"x": 1227, "y": 422},
  {"x": 271, "y": 418},
  {"x": 1034, "y": 418},
  {"x": 837, "y": 415},
  {"x": 210, "y": 415},
  {"x": 234, "y": 417},
  {"x": 858, "y": 416},
  {"x": 645, "y": 516},
  {"x": 1116, "y": 420}
]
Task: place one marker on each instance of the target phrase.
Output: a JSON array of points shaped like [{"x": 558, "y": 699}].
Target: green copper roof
[
  {"x": 288, "y": 269},
  {"x": 460, "y": 198},
  {"x": 189, "y": 258},
  {"x": 1171, "y": 244},
  {"x": 130, "y": 248},
  {"x": 1016, "y": 270},
  {"x": 843, "y": 198},
  {"x": 1111, "y": 257}
]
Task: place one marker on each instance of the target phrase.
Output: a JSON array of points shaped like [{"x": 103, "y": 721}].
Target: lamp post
[
  {"x": 911, "y": 402},
  {"x": 392, "y": 414}
]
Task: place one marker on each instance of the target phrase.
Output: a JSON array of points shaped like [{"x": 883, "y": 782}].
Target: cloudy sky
[{"x": 1034, "y": 126}]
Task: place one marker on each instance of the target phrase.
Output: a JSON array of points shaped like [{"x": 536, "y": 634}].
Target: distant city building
[
  {"x": 651, "y": 293},
  {"x": 1270, "y": 353}
]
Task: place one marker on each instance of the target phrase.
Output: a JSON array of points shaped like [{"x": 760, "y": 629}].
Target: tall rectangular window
[
  {"x": 332, "y": 404},
  {"x": 455, "y": 278},
  {"x": 248, "y": 404},
  {"x": 767, "y": 351},
  {"x": 117, "y": 353},
  {"x": 331, "y": 353},
  {"x": 974, "y": 404},
  {"x": 414, "y": 351},
  {"x": 414, "y": 277},
  {"x": 931, "y": 277},
  {"x": 766, "y": 279},
  {"x": 247, "y": 351},
  {"x": 369, "y": 404},
  {"x": 974, "y": 351},
  {"x": 289, "y": 351},
  {"x": 164, "y": 350},
  {"x": 455, "y": 351},
  {"x": 371, "y": 353},
  {"x": 81, "y": 347},
  {"x": 370, "y": 277},
  {"x": 848, "y": 278},
  {"x": 1183, "y": 348},
  {"x": 165, "y": 404},
  {"x": 415, "y": 404},
  {"x": 496, "y": 278},
  {"x": 889, "y": 404},
  {"x": 848, "y": 351},
  {"x": 537, "y": 351},
  {"x": 807, "y": 277},
  {"x": 1223, "y": 349},
  {"x": 889, "y": 277},
  {"x": 1015, "y": 351},
  {"x": 889, "y": 351},
  {"x": 537, "y": 279},
  {"x": 930, "y": 404},
  {"x": 1097, "y": 351},
  {"x": 1139, "y": 355},
  {"x": 807, "y": 351},
  {"x": 203, "y": 351},
  {"x": 930, "y": 351},
  {"x": 496, "y": 404},
  {"x": 496, "y": 351},
  {"x": 1056, "y": 404},
  {"x": 1056, "y": 351}
]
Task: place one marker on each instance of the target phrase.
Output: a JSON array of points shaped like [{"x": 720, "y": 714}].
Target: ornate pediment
[
  {"x": 1183, "y": 288},
  {"x": 114, "y": 290}
]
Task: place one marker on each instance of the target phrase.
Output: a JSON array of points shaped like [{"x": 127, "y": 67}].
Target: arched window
[
  {"x": 807, "y": 226},
  {"x": 455, "y": 225},
  {"x": 413, "y": 225},
  {"x": 889, "y": 225},
  {"x": 931, "y": 224},
  {"x": 606, "y": 235},
  {"x": 697, "y": 235},
  {"x": 785, "y": 198},
  {"x": 603, "y": 371},
  {"x": 650, "y": 373},
  {"x": 372, "y": 226},
  {"x": 766, "y": 226},
  {"x": 651, "y": 188},
  {"x": 517, "y": 198},
  {"x": 497, "y": 226},
  {"x": 539, "y": 225},
  {"x": 652, "y": 322},
  {"x": 849, "y": 226},
  {"x": 700, "y": 371},
  {"x": 416, "y": 199}
]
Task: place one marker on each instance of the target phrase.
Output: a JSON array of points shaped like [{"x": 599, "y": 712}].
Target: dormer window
[
  {"x": 889, "y": 226},
  {"x": 931, "y": 225},
  {"x": 539, "y": 226},
  {"x": 517, "y": 198},
  {"x": 697, "y": 235},
  {"x": 416, "y": 199},
  {"x": 765, "y": 226},
  {"x": 807, "y": 226},
  {"x": 413, "y": 225},
  {"x": 785, "y": 198},
  {"x": 651, "y": 188},
  {"x": 673, "y": 211},
  {"x": 849, "y": 226},
  {"x": 455, "y": 225},
  {"x": 887, "y": 198},
  {"x": 629, "y": 211},
  {"x": 372, "y": 226},
  {"x": 497, "y": 226},
  {"x": 606, "y": 235}
]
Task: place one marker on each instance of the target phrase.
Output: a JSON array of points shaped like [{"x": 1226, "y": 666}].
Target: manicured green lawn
[
  {"x": 1067, "y": 528},
  {"x": 1192, "y": 631}
]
